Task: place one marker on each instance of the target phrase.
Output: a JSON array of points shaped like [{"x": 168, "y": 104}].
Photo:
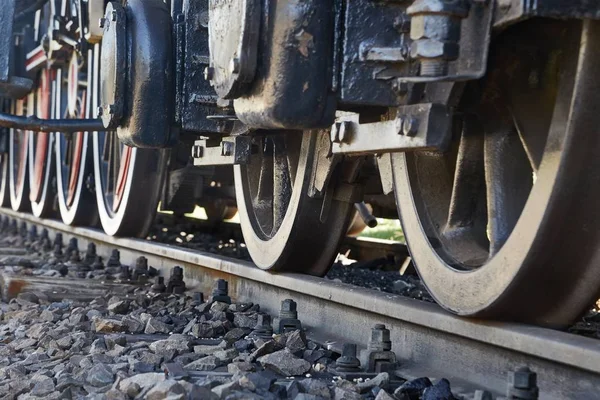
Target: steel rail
[{"x": 427, "y": 340}]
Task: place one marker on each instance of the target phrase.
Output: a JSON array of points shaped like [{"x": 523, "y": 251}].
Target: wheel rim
[
  {"x": 76, "y": 202},
  {"x": 40, "y": 148},
  {"x": 498, "y": 282},
  {"x": 17, "y": 164},
  {"x": 128, "y": 181},
  {"x": 276, "y": 214}
]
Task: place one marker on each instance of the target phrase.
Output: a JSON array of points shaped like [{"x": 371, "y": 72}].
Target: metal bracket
[
  {"x": 233, "y": 150},
  {"x": 475, "y": 36},
  {"x": 509, "y": 12},
  {"x": 417, "y": 127}
]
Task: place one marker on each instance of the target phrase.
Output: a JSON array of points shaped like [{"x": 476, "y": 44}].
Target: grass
[{"x": 389, "y": 229}]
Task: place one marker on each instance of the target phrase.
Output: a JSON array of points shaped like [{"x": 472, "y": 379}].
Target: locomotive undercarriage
[{"x": 473, "y": 116}]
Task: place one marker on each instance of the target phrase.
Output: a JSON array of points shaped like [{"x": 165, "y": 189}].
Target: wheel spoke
[
  {"x": 508, "y": 180},
  {"x": 282, "y": 187},
  {"x": 468, "y": 177}
]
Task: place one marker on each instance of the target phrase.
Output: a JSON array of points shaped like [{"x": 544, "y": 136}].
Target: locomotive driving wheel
[
  {"x": 41, "y": 146},
  {"x": 18, "y": 148},
  {"x": 285, "y": 229},
  {"x": 74, "y": 169},
  {"x": 128, "y": 180},
  {"x": 506, "y": 223}
]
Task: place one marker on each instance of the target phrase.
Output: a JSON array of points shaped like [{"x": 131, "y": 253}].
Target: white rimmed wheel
[
  {"x": 285, "y": 229},
  {"x": 128, "y": 181},
  {"x": 74, "y": 167},
  {"x": 18, "y": 148},
  {"x": 41, "y": 148},
  {"x": 506, "y": 224}
]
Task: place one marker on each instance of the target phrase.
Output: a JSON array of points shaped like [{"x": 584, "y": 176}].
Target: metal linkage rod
[{"x": 33, "y": 123}]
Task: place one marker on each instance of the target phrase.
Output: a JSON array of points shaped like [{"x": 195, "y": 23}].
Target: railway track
[{"x": 428, "y": 341}]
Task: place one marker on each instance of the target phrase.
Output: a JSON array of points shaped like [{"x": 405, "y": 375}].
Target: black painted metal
[
  {"x": 147, "y": 71},
  {"x": 295, "y": 68},
  {"x": 33, "y": 123},
  {"x": 196, "y": 99}
]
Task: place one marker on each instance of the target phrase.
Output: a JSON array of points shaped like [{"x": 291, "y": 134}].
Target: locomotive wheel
[
  {"x": 41, "y": 149},
  {"x": 128, "y": 181},
  {"x": 18, "y": 148},
  {"x": 76, "y": 201},
  {"x": 506, "y": 225},
  {"x": 281, "y": 224}
]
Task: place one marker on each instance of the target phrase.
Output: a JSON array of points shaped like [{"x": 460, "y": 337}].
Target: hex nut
[
  {"x": 458, "y": 8},
  {"x": 288, "y": 305},
  {"x": 429, "y": 48}
]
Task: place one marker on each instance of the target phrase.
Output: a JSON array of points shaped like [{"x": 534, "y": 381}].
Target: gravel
[{"x": 107, "y": 337}]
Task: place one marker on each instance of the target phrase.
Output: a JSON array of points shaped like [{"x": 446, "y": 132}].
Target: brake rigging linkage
[{"x": 33, "y": 123}]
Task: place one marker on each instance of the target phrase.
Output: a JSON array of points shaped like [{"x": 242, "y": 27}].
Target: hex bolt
[
  {"x": 57, "y": 250},
  {"x": 288, "y": 309},
  {"x": 74, "y": 256},
  {"x": 23, "y": 229},
  {"x": 410, "y": 126},
  {"x": 159, "y": 285},
  {"x": 221, "y": 287},
  {"x": 522, "y": 384},
  {"x": 46, "y": 245},
  {"x": 125, "y": 274},
  {"x": 141, "y": 263},
  {"x": 32, "y": 234},
  {"x": 90, "y": 253},
  {"x": 434, "y": 67},
  {"x": 226, "y": 148},
  {"x": 198, "y": 297},
  {"x": 97, "y": 264},
  {"x": 115, "y": 259},
  {"x": 179, "y": 290},
  {"x": 73, "y": 245},
  {"x": 234, "y": 65},
  {"x": 263, "y": 328},
  {"x": 209, "y": 73},
  {"x": 58, "y": 240},
  {"x": 197, "y": 151},
  {"x": 348, "y": 362},
  {"x": 380, "y": 338},
  {"x": 221, "y": 291}
]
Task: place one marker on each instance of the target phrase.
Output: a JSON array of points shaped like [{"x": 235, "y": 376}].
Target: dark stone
[
  {"x": 315, "y": 387},
  {"x": 285, "y": 363},
  {"x": 439, "y": 391},
  {"x": 412, "y": 390},
  {"x": 99, "y": 375},
  {"x": 243, "y": 345}
]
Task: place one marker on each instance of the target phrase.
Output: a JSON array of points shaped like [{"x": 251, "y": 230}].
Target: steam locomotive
[{"x": 477, "y": 119}]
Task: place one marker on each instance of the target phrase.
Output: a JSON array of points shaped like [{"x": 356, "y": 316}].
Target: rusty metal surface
[{"x": 427, "y": 340}]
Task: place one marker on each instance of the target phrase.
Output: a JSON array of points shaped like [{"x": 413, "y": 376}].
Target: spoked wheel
[
  {"x": 506, "y": 224},
  {"x": 128, "y": 180},
  {"x": 41, "y": 149},
  {"x": 18, "y": 148},
  {"x": 74, "y": 167},
  {"x": 284, "y": 228}
]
